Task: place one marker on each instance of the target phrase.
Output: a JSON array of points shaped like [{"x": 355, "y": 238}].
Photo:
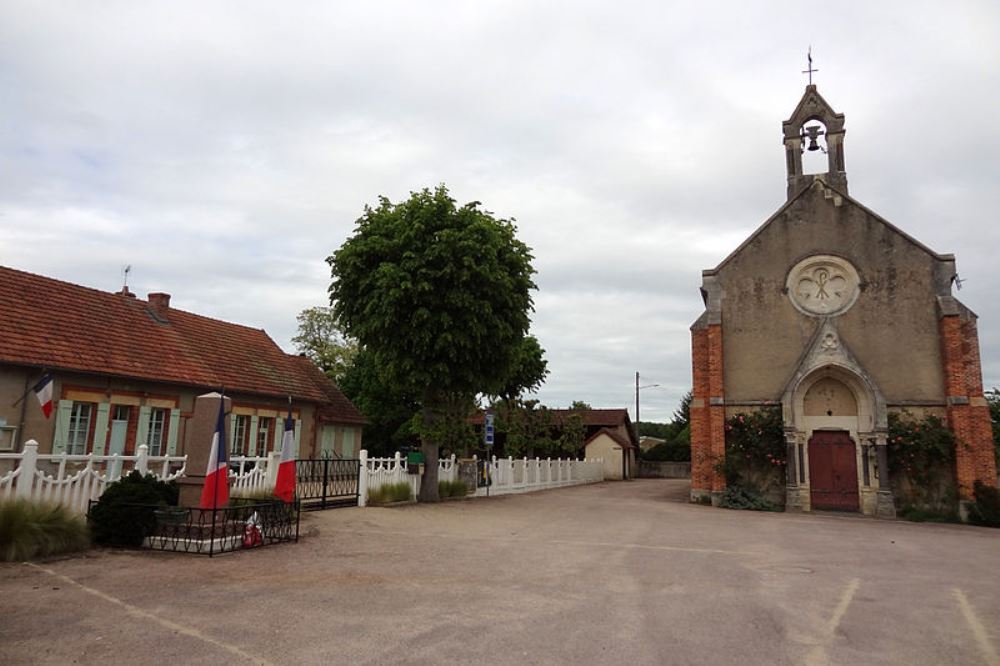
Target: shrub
[
  {"x": 740, "y": 497},
  {"x": 452, "y": 489},
  {"x": 125, "y": 514},
  {"x": 29, "y": 530},
  {"x": 390, "y": 492},
  {"x": 921, "y": 464},
  {"x": 755, "y": 454},
  {"x": 986, "y": 509}
]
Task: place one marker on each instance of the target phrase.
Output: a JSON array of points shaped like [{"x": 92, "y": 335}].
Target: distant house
[
  {"x": 126, "y": 372},
  {"x": 646, "y": 442},
  {"x": 616, "y": 450},
  {"x": 604, "y": 429}
]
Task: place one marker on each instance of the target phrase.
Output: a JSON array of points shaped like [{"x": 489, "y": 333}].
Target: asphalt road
[{"x": 609, "y": 573}]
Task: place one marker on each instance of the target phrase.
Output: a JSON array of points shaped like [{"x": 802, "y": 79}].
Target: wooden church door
[{"x": 833, "y": 471}]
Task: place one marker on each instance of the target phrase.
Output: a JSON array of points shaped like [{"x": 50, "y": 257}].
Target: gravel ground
[{"x": 608, "y": 573}]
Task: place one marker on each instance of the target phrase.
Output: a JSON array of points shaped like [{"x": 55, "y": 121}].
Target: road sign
[{"x": 488, "y": 431}]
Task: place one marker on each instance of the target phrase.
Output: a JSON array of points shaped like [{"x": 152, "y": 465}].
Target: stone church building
[{"x": 839, "y": 317}]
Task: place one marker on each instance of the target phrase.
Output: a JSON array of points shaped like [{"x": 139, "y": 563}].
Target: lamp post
[{"x": 637, "y": 387}]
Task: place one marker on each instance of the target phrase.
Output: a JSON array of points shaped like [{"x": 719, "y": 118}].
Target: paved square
[{"x": 609, "y": 573}]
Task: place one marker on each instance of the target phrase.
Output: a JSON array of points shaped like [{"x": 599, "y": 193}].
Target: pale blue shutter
[
  {"x": 101, "y": 428},
  {"x": 252, "y": 450},
  {"x": 348, "y": 442},
  {"x": 142, "y": 432},
  {"x": 279, "y": 432},
  {"x": 232, "y": 434},
  {"x": 63, "y": 413},
  {"x": 172, "y": 434},
  {"x": 298, "y": 434}
]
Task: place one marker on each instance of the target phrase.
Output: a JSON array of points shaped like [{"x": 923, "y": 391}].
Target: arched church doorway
[
  {"x": 834, "y": 427},
  {"x": 833, "y": 471}
]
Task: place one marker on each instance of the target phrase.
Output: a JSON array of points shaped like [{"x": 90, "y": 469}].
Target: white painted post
[
  {"x": 271, "y": 473},
  {"x": 26, "y": 477},
  {"x": 142, "y": 461},
  {"x": 363, "y": 478}
]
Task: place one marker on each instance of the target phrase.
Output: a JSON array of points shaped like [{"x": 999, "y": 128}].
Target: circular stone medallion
[{"x": 823, "y": 285}]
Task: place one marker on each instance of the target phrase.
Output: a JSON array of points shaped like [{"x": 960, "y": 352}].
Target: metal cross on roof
[{"x": 810, "y": 71}]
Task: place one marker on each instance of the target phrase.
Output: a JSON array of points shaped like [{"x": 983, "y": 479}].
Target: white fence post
[
  {"x": 273, "y": 462},
  {"x": 26, "y": 477},
  {"x": 142, "y": 461},
  {"x": 363, "y": 478}
]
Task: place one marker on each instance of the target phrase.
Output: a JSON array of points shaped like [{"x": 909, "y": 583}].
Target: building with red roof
[{"x": 126, "y": 372}]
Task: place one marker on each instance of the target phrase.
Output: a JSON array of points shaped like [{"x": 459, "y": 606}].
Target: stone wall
[{"x": 655, "y": 469}]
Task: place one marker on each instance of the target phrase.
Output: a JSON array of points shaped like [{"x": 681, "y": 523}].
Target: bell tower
[{"x": 814, "y": 126}]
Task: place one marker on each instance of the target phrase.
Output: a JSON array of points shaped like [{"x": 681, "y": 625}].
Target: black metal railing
[
  {"x": 210, "y": 531},
  {"x": 327, "y": 482}
]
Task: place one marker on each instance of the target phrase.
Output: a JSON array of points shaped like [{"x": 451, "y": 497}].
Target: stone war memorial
[{"x": 840, "y": 324}]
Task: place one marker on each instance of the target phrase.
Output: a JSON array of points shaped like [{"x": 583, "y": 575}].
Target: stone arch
[{"x": 829, "y": 363}]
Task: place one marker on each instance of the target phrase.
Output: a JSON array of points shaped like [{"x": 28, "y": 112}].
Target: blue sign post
[{"x": 488, "y": 432}]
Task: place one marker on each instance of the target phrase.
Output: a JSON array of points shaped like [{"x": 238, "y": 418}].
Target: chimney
[
  {"x": 159, "y": 301},
  {"x": 126, "y": 292}
]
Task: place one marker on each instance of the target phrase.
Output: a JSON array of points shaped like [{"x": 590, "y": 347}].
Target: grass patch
[
  {"x": 29, "y": 530},
  {"x": 388, "y": 493},
  {"x": 452, "y": 489}
]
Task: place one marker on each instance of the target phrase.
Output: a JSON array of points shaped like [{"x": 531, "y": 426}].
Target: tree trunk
[
  {"x": 429, "y": 480},
  {"x": 430, "y": 446}
]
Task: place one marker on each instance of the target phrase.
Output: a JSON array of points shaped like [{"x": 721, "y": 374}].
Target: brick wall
[
  {"x": 708, "y": 440},
  {"x": 968, "y": 413}
]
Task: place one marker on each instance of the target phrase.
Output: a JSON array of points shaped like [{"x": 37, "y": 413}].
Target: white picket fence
[
  {"x": 253, "y": 474},
  {"x": 523, "y": 475},
  {"x": 74, "y": 480},
  {"x": 377, "y": 472},
  {"x": 509, "y": 475}
]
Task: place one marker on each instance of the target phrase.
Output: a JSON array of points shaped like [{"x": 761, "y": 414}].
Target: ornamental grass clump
[
  {"x": 29, "y": 530},
  {"x": 452, "y": 489},
  {"x": 389, "y": 493}
]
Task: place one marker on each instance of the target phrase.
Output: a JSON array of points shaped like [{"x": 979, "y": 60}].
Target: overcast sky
[{"x": 224, "y": 150}]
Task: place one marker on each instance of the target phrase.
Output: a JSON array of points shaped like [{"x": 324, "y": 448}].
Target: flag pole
[{"x": 24, "y": 395}]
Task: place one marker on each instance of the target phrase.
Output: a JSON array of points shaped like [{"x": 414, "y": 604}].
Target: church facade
[{"x": 839, "y": 318}]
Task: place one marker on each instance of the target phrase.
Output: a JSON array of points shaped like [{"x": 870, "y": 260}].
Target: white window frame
[
  {"x": 240, "y": 428},
  {"x": 154, "y": 434},
  {"x": 74, "y": 432},
  {"x": 263, "y": 433}
]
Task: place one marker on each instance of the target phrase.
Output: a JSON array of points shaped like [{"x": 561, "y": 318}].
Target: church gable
[{"x": 839, "y": 318}]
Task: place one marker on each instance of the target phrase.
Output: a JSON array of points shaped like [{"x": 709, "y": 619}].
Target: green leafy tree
[
  {"x": 572, "y": 434},
  {"x": 321, "y": 338},
  {"x": 527, "y": 372},
  {"x": 441, "y": 296},
  {"x": 527, "y": 425},
  {"x": 993, "y": 399},
  {"x": 580, "y": 405},
  {"x": 388, "y": 407}
]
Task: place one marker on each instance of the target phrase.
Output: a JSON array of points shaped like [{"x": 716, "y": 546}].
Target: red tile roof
[
  {"x": 616, "y": 436},
  {"x": 62, "y": 326}
]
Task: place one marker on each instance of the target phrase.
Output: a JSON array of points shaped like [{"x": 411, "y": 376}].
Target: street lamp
[{"x": 637, "y": 387}]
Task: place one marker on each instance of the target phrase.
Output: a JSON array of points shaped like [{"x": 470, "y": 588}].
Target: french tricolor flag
[
  {"x": 284, "y": 486},
  {"x": 215, "y": 492},
  {"x": 43, "y": 391}
]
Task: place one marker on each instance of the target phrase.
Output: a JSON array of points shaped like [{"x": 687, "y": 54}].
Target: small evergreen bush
[
  {"x": 986, "y": 509},
  {"x": 452, "y": 489},
  {"x": 390, "y": 492},
  {"x": 125, "y": 514},
  {"x": 739, "y": 497},
  {"x": 29, "y": 530}
]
